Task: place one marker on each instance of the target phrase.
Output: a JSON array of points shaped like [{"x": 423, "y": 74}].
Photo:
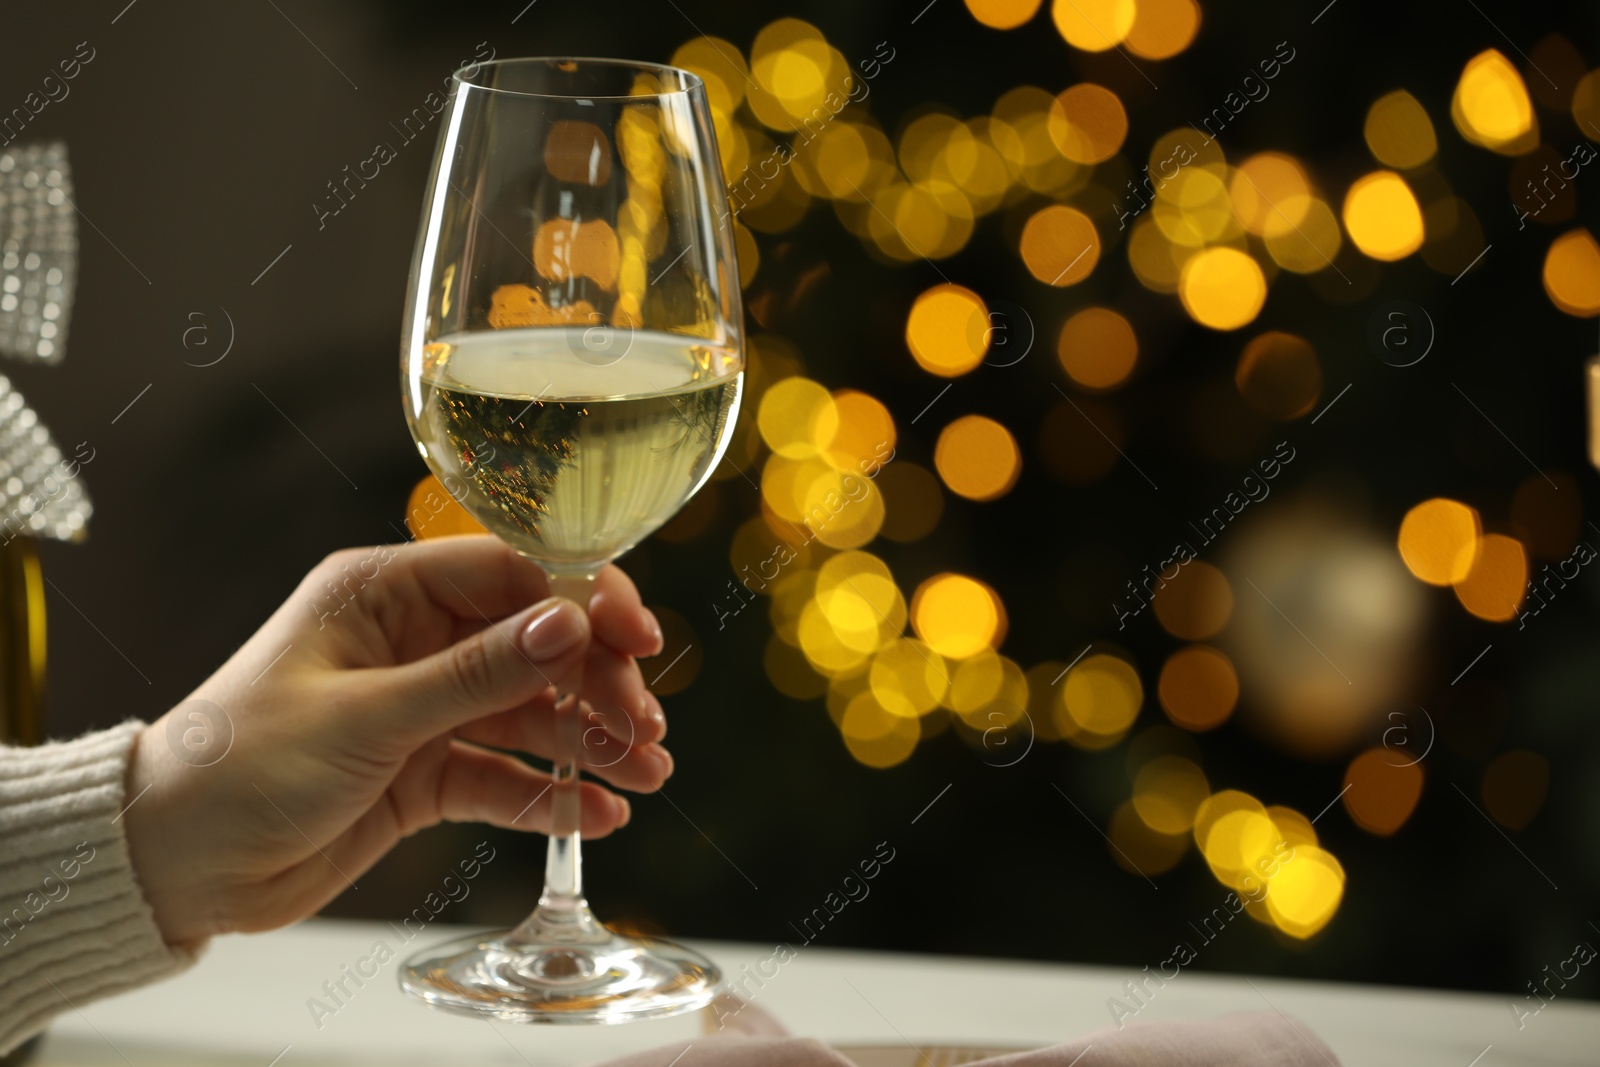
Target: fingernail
[
  {"x": 624, "y": 809},
  {"x": 554, "y": 630},
  {"x": 662, "y": 760},
  {"x": 654, "y": 626}
]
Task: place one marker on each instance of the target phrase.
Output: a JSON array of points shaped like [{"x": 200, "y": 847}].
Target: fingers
[
  {"x": 480, "y": 786},
  {"x": 469, "y": 580},
  {"x": 614, "y": 689},
  {"x": 473, "y": 576},
  {"x": 619, "y": 618},
  {"x": 501, "y": 666},
  {"x": 639, "y": 767}
]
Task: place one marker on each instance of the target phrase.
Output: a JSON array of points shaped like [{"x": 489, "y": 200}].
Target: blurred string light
[
  {"x": 1270, "y": 856},
  {"x": 1097, "y": 349},
  {"x": 1382, "y": 216},
  {"x": 1491, "y": 107},
  {"x": 978, "y": 458},
  {"x": 1572, "y": 273},
  {"x": 1442, "y": 542},
  {"x": 1214, "y": 233},
  {"x": 1399, "y": 132},
  {"x": 1382, "y": 788},
  {"x": 1093, "y": 25}
]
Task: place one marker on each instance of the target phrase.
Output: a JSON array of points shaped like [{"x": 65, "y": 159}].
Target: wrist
[{"x": 174, "y": 884}]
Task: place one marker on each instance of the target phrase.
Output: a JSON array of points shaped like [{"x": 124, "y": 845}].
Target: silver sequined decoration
[
  {"x": 38, "y": 251},
  {"x": 41, "y": 491}
]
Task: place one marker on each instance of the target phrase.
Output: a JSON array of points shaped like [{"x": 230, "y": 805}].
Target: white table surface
[{"x": 246, "y": 1002}]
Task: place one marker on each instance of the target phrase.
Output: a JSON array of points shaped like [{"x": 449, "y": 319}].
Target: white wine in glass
[{"x": 572, "y": 358}]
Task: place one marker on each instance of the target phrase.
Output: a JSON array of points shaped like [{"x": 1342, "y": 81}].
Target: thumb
[{"x": 505, "y": 664}]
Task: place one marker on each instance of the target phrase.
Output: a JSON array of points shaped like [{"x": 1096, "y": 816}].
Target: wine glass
[{"x": 571, "y": 358}]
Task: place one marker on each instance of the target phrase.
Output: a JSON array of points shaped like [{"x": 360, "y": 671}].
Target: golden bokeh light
[
  {"x": 1103, "y": 695},
  {"x": 975, "y": 166},
  {"x": 1491, "y": 106},
  {"x": 1003, "y": 14},
  {"x": 794, "y": 69},
  {"x": 1195, "y": 209},
  {"x": 858, "y": 591},
  {"x": 1297, "y": 830},
  {"x": 1492, "y": 589},
  {"x": 978, "y": 458},
  {"x": 797, "y": 418},
  {"x": 1198, "y": 688},
  {"x": 1515, "y": 785},
  {"x": 865, "y": 432},
  {"x": 1087, "y": 123},
  {"x": 1222, "y": 288},
  {"x": 1097, "y": 349},
  {"x": 1439, "y": 540},
  {"x": 1305, "y": 892},
  {"x": 1195, "y": 603},
  {"x": 1382, "y": 216},
  {"x": 824, "y": 648},
  {"x": 924, "y": 139},
  {"x": 1271, "y": 194},
  {"x": 957, "y": 616},
  {"x": 1398, "y": 131},
  {"x": 1140, "y": 850},
  {"x": 1586, "y": 101},
  {"x": 1572, "y": 273},
  {"x": 852, "y": 159},
  {"x": 908, "y": 678},
  {"x": 1093, "y": 25},
  {"x": 877, "y": 737},
  {"x": 1163, "y": 28},
  {"x": 1235, "y": 836},
  {"x": 1381, "y": 790},
  {"x": 1059, "y": 245},
  {"x": 975, "y": 682},
  {"x": 1311, "y": 244},
  {"x": 1155, "y": 260},
  {"x": 432, "y": 512},
  {"x": 721, "y": 66},
  {"x": 948, "y": 330},
  {"x": 749, "y": 254},
  {"x": 1004, "y": 708},
  {"x": 1278, "y": 375},
  {"x": 1167, "y": 791}
]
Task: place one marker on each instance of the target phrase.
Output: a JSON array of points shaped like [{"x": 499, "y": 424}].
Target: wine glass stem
[{"x": 563, "y": 868}]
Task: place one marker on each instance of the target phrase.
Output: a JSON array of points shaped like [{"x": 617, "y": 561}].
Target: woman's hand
[{"x": 370, "y": 706}]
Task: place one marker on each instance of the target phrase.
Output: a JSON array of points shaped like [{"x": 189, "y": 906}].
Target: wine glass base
[{"x": 615, "y": 979}]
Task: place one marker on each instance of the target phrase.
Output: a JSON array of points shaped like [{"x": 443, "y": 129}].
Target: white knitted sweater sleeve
[{"x": 74, "y": 924}]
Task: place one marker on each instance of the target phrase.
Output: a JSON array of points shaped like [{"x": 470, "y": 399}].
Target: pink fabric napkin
[{"x": 1245, "y": 1039}]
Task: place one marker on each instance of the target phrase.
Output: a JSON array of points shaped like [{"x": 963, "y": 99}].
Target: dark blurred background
[{"x": 200, "y": 136}]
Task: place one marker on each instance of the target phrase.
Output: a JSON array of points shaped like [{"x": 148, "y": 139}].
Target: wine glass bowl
[{"x": 571, "y": 364}]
